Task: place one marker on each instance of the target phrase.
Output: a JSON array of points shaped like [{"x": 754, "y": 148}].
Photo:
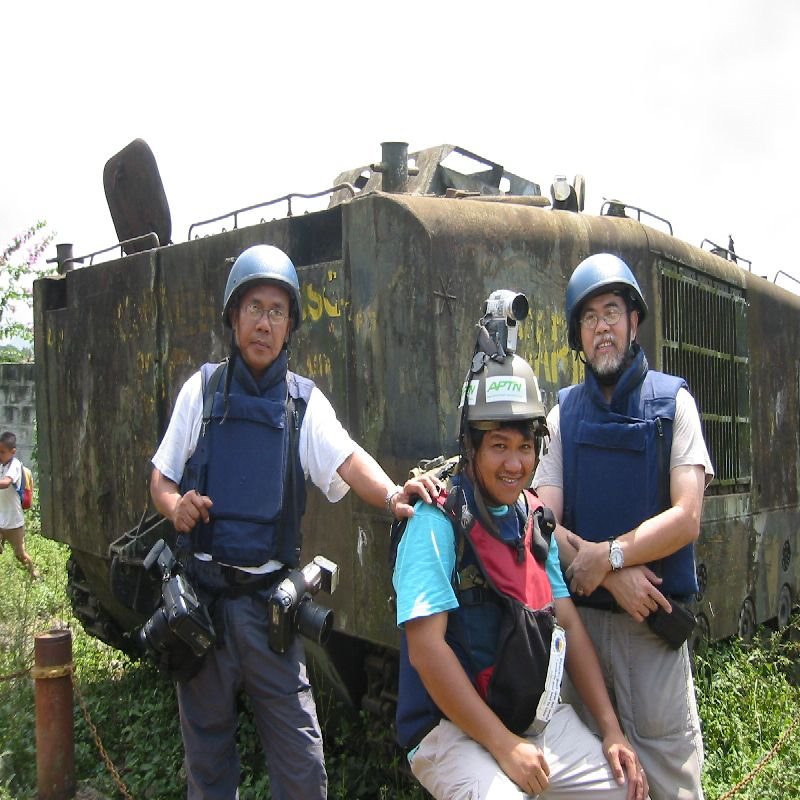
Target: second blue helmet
[{"x": 599, "y": 273}]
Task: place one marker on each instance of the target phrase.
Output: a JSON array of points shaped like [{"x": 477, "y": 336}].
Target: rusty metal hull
[{"x": 391, "y": 288}]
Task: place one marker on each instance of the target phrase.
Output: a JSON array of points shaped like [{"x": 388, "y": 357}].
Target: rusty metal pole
[
  {"x": 55, "y": 740},
  {"x": 64, "y": 257}
]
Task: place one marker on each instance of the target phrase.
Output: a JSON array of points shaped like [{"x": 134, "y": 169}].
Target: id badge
[{"x": 552, "y": 685}]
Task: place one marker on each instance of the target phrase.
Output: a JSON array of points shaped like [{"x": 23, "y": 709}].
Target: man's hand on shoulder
[{"x": 424, "y": 488}]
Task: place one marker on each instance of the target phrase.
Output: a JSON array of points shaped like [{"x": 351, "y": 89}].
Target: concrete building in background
[{"x": 18, "y": 407}]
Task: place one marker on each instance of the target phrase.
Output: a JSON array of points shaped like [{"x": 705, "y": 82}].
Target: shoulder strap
[
  {"x": 21, "y": 488},
  {"x": 211, "y": 375},
  {"x": 299, "y": 392},
  {"x": 544, "y": 524},
  {"x": 292, "y": 502},
  {"x": 660, "y": 384}
]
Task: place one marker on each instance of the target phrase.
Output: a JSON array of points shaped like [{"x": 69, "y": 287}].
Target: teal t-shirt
[{"x": 426, "y": 559}]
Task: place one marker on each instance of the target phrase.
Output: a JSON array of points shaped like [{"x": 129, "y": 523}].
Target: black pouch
[
  {"x": 520, "y": 670},
  {"x": 179, "y": 663},
  {"x": 674, "y": 628}
]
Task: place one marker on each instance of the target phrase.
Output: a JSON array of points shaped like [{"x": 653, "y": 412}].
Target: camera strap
[
  {"x": 290, "y": 508},
  {"x": 294, "y": 489}
]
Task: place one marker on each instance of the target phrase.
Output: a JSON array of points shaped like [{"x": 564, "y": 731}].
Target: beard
[{"x": 609, "y": 365}]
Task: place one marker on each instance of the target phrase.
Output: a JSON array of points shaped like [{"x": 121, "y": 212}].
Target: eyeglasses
[
  {"x": 611, "y": 316},
  {"x": 256, "y": 312}
]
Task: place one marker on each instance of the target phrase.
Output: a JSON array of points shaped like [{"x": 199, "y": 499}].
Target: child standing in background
[{"x": 12, "y": 520}]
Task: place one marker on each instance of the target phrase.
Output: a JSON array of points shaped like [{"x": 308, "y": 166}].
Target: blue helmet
[
  {"x": 263, "y": 263},
  {"x": 602, "y": 272}
]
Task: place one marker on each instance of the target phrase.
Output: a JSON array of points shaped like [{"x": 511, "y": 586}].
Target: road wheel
[
  {"x": 747, "y": 621},
  {"x": 785, "y": 604}
]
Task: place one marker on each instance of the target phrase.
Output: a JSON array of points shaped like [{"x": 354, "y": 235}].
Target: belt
[
  {"x": 251, "y": 581},
  {"x": 614, "y": 608},
  {"x": 598, "y": 605},
  {"x": 478, "y": 595}
]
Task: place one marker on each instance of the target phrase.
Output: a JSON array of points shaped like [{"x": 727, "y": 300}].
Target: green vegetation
[
  {"x": 15, "y": 355},
  {"x": 19, "y": 266},
  {"x": 748, "y": 699},
  {"x": 135, "y": 711}
]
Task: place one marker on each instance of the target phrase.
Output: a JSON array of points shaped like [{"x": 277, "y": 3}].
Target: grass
[
  {"x": 748, "y": 699},
  {"x": 135, "y": 712}
]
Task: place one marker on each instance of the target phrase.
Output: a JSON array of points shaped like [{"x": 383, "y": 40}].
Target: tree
[{"x": 17, "y": 272}]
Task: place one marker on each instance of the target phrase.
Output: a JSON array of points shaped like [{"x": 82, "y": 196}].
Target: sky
[{"x": 688, "y": 109}]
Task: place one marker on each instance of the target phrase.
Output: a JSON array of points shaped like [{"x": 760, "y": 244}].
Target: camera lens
[
  {"x": 156, "y": 635},
  {"x": 314, "y": 621}
]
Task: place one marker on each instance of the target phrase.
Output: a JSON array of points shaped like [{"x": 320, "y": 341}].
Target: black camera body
[
  {"x": 290, "y": 608},
  {"x": 181, "y": 617}
]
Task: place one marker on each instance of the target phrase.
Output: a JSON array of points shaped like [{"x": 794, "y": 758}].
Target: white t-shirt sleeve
[
  {"x": 15, "y": 472},
  {"x": 324, "y": 446},
  {"x": 426, "y": 558},
  {"x": 183, "y": 430},
  {"x": 549, "y": 472},
  {"x": 688, "y": 445},
  {"x": 11, "y": 515}
]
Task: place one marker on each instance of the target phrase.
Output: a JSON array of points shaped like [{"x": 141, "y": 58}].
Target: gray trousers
[
  {"x": 652, "y": 690},
  {"x": 283, "y": 707},
  {"x": 451, "y": 766}
]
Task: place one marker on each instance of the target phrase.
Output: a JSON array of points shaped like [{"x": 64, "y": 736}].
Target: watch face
[{"x": 615, "y": 557}]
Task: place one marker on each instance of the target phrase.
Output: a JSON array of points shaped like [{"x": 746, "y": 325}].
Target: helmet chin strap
[
  {"x": 484, "y": 515},
  {"x": 483, "y": 512}
]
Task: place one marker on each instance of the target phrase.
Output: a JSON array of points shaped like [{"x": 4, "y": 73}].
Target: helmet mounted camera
[{"x": 500, "y": 385}]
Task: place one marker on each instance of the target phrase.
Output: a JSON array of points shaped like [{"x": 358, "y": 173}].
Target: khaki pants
[
  {"x": 451, "y": 766},
  {"x": 16, "y": 538},
  {"x": 652, "y": 690}
]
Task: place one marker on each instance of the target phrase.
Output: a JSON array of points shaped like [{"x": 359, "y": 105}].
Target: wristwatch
[
  {"x": 615, "y": 555},
  {"x": 390, "y": 495}
]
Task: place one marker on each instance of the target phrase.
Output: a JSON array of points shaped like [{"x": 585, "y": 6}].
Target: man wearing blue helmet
[
  {"x": 230, "y": 475},
  {"x": 625, "y": 473}
]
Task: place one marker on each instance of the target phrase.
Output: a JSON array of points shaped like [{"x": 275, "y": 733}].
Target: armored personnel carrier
[{"x": 393, "y": 276}]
